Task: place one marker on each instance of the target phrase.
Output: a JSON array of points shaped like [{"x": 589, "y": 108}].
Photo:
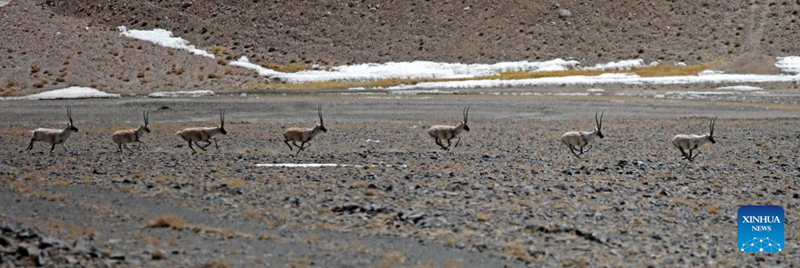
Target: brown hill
[
  {"x": 466, "y": 31},
  {"x": 742, "y": 36},
  {"x": 44, "y": 51}
]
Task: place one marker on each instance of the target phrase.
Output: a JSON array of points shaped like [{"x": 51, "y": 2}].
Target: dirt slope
[
  {"x": 466, "y": 31},
  {"x": 44, "y": 51},
  {"x": 54, "y": 44}
]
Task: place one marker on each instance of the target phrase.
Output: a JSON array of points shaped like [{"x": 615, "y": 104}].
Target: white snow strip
[
  {"x": 164, "y": 38},
  {"x": 595, "y": 90},
  {"x": 71, "y": 93},
  {"x": 4, "y": 2},
  {"x": 401, "y": 70},
  {"x": 313, "y": 165},
  {"x": 710, "y": 72},
  {"x": 371, "y": 140},
  {"x": 740, "y": 88},
  {"x": 572, "y": 94},
  {"x": 628, "y": 79},
  {"x": 623, "y": 64},
  {"x": 420, "y": 92},
  {"x": 789, "y": 64},
  {"x": 182, "y": 94}
]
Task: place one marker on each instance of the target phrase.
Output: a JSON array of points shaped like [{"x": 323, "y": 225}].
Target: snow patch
[
  {"x": 740, "y": 88},
  {"x": 71, "y": 93},
  {"x": 406, "y": 70},
  {"x": 623, "y": 64},
  {"x": 4, "y": 2},
  {"x": 312, "y": 165},
  {"x": 182, "y": 94},
  {"x": 789, "y": 64},
  {"x": 710, "y": 72},
  {"x": 163, "y": 38},
  {"x": 626, "y": 79},
  {"x": 595, "y": 90}
]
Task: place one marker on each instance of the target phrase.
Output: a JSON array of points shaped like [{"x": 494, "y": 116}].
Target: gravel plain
[{"x": 509, "y": 195}]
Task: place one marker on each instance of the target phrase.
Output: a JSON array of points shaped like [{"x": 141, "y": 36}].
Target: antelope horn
[
  {"x": 69, "y": 115},
  {"x": 319, "y": 112},
  {"x": 466, "y": 114},
  {"x": 222, "y": 118}
]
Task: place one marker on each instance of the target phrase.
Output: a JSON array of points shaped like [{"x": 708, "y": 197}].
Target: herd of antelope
[{"x": 578, "y": 142}]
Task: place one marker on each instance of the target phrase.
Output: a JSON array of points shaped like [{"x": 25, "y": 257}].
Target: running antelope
[
  {"x": 580, "y": 140},
  {"x": 123, "y": 137},
  {"x": 196, "y": 134},
  {"x": 303, "y": 135},
  {"x": 445, "y": 132},
  {"x": 691, "y": 142},
  {"x": 54, "y": 136}
]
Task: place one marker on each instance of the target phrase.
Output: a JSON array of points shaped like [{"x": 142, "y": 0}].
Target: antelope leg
[
  {"x": 190, "y": 147},
  {"x": 52, "y": 147},
  {"x": 30, "y": 146},
  {"x": 126, "y": 147},
  {"x": 438, "y": 142},
  {"x": 201, "y": 147},
  {"x": 215, "y": 143},
  {"x": 287, "y": 144},
  {"x": 120, "y": 147},
  {"x": 65, "y": 147},
  {"x": 588, "y": 148},
  {"x": 458, "y": 141},
  {"x": 573, "y": 152},
  {"x": 142, "y": 143},
  {"x": 698, "y": 153}
]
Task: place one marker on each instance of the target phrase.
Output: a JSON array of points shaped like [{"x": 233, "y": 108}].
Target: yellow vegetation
[{"x": 646, "y": 71}]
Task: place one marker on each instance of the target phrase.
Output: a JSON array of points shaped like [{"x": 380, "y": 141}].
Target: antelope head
[
  {"x": 222, "y": 122},
  {"x": 711, "y": 130},
  {"x": 71, "y": 126},
  {"x": 599, "y": 124},
  {"x": 146, "y": 115},
  {"x": 466, "y": 117}
]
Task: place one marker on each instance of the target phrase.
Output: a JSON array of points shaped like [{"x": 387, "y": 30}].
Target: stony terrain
[{"x": 509, "y": 195}]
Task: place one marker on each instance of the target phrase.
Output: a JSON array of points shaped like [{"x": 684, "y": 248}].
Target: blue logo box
[{"x": 760, "y": 229}]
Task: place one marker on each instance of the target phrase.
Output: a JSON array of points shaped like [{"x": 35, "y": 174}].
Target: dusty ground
[{"x": 510, "y": 194}]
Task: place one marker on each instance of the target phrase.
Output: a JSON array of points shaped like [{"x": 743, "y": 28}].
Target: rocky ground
[{"x": 508, "y": 195}]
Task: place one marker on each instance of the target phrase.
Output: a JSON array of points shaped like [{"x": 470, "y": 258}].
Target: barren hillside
[
  {"x": 54, "y": 44},
  {"x": 464, "y": 31}
]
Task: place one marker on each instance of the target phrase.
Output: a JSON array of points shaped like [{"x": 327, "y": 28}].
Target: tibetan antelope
[
  {"x": 196, "y": 134},
  {"x": 691, "y": 142},
  {"x": 54, "y": 136},
  {"x": 123, "y": 137},
  {"x": 445, "y": 132},
  {"x": 580, "y": 140},
  {"x": 303, "y": 135}
]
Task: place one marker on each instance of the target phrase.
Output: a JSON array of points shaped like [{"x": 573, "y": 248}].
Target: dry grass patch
[
  {"x": 646, "y": 71},
  {"x": 235, "y": 183},
  {"x": 217, "y": 263},
  {"x": 167, "y": 221},
  {"x": 268, "y": 236},
  {"x": 286, "y": 68},
  {"x": 158, "y": 255},
  {"x": 483, "y": 217},
  {"x": 392, "y": 257},
  {"x": 518, "y": 252}
]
